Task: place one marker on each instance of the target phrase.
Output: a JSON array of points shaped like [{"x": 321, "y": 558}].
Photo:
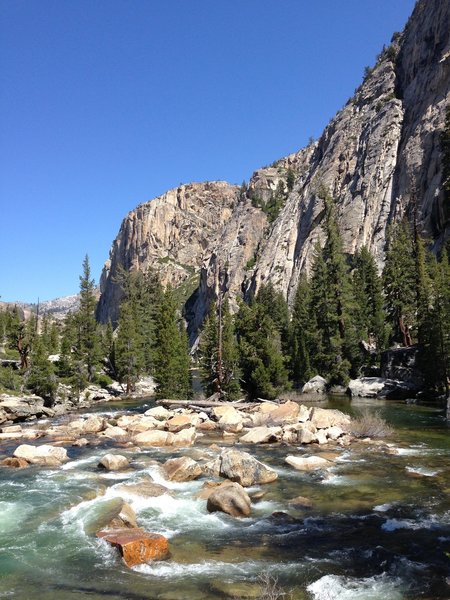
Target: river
[{"x": 378, "y": 527}]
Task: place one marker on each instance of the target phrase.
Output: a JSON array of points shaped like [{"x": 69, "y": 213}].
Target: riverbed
[{"x": 378, "y": 526}]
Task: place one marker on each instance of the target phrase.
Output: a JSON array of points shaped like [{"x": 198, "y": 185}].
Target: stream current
[{"x": 378, "y": 527}]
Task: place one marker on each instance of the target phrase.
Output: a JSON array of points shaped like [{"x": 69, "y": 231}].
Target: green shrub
[{"x": 103, "y": 380}]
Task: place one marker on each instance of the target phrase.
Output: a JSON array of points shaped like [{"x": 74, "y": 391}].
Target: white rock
[
  {"x": 45, "y": 454},
  {"x": 310, "y": 463},
  {"x": 317, "y": 384},
  {"x": 261, "y": 435},
  {"x": 114, "y": 462},
  {"x": 158, "y": 412},
  {"x": 366, "y": 387}
]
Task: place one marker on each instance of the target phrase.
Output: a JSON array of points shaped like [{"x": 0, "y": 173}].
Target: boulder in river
[
  {"x": 310, "y": 463},
  {"x": 317, "y": 384},
  {"x": 108, "y": 513},
  {"x": 322, "y": 418},
  {"x": 114, "y": 462},
  {"x": 185, "y": 437},
  {"x": 231, "y": 499},
  {"x": 15, "y": 463},
  {"x": 179, "y": 422},
  {"x": 159, "y": 413},
  {"x": 137, "y": 546},
  {"x": 154, "y": 438},
  {"x": 261, "y": 435},
  {"x": 182, "y": 469},
  {"x": 43, "y": 455},
  {"x": 283, "y": 414},
  {"x": 244, "y": 468},
  {"x": 144, "y": 487},
  {"x": 94, "y": 424}
]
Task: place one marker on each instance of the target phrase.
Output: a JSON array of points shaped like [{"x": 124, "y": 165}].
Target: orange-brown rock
[
  {"x": 16, "y": 463},
  {"x": 137, "y": 546}
]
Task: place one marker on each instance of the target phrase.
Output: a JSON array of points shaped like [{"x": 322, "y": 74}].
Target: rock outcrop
[
  {"x": 379, "y": 157},
  {"x": 169, "y": 234}
]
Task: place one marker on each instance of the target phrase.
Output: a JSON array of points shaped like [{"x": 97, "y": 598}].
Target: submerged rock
[
  {"x": 231, "y": 499},
  {"x": 144, "y": 487},
  {"x": 310, "y": 463},
  {"x": 137, "y": 546}
]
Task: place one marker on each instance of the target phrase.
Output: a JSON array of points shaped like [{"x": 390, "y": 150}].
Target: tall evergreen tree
[
  {"x": 399, "y": 283},
  {"x": 368, "y": 294},
  {"x": 128, "y": 348},
  {"x": 87, "y": 346},
  {"x": 219, "y": 353},
  {"x": 171, "y": 361},
  {"x": 262, "y": 363},
  {"x": 142, "y": 293},
  {"x": 41, "y": 380},
  {"x": 332, "y": 305},
  {"x": 301, "y": 334}
]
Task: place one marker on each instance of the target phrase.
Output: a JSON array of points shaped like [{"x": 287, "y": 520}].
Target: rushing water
[{"x": 379, "y": 526}]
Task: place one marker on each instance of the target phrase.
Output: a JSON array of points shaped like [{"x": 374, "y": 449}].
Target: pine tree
[
  {"x": 128, "y": 350},
  {"x": 219, "y": 353},
  {"x": 21, "y": 336},
  {"x": 142, "y": 293},
  {"x": 434, "y": 320},
  {"x": 301, "y": 334},
  {"x": 41, "y": 380},
  {"x": 262, "y": 363},
  {"x": 332, "y": 305},
  {"x": 399, "y": 283},
  {"x": 369, "y": 314},
  {"x": 171, "y": 360},
  {"x": 87, "y": 346}
]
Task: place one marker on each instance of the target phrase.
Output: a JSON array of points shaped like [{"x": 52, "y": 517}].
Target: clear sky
[{"x": 105, "y": 104}]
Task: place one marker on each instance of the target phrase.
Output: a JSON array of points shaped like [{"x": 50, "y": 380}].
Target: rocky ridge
[{"x": 379, "y": 158}]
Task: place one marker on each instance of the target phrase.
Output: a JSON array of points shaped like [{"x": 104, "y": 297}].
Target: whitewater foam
[{"x": 334, "y": 587}]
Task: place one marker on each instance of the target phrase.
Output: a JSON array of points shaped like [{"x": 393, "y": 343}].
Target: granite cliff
[{"x": 379, "y": 158}]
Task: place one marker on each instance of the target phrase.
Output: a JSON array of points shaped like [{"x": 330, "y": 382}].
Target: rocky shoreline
[{"x": 229, "y": 471}]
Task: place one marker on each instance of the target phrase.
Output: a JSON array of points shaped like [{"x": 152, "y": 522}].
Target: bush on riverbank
[{"x": 370, "y": 424}]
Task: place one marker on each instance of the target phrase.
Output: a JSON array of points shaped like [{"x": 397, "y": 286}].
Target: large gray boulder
[
  {"x": 245, "y": 469},
  {"x": 315, "y": 385},
  {"x": 42, "y": 455},
  {"x": 114, "y": 462},
  {"x": 231, "y": 499}
]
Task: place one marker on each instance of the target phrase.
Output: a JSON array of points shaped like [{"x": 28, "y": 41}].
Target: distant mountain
[
  {"x": 57, "y": 308},
  {"x": 380, "y": 158}
]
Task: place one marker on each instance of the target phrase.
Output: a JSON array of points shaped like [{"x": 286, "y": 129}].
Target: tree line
[{"x": 343, "y": 316}]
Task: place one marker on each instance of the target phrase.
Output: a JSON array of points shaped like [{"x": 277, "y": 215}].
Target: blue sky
[{"x": 105, "y": 104}]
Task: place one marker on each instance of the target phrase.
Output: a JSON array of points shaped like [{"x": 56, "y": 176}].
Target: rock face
[
  {"x": 384, "y": 143},
  {"x": 169, "y": 234}
]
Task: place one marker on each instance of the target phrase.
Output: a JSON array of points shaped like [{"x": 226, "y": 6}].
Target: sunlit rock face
[{"x": 379, "y": 157}]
